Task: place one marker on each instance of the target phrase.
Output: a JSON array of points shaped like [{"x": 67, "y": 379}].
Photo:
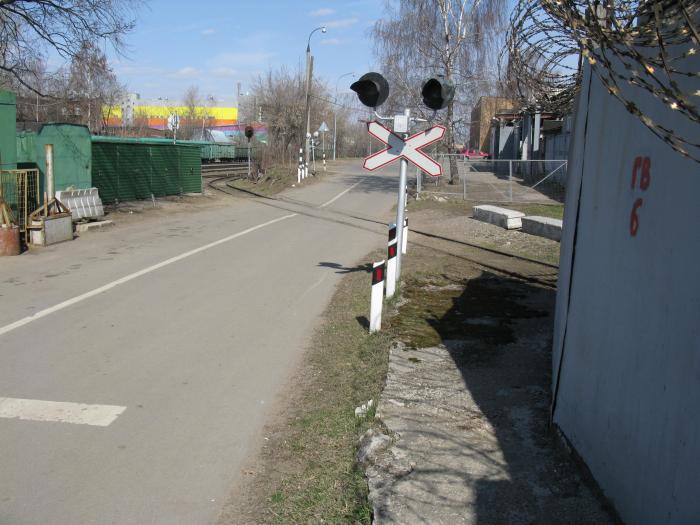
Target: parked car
[{"x": 471, "y": 153}]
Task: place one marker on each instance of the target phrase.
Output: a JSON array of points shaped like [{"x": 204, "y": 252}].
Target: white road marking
[
  {"x": 126, "y": 279},
  {"x": 310, "y": 288},
  {"x": 59, "y": 411},
  {"x": 338, "y": 196}
]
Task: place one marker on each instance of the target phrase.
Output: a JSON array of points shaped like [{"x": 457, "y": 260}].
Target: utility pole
[{"x": 309, "y": 77}]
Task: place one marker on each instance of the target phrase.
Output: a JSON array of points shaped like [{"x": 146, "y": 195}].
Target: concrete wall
[
  {"x": 482, "y": 113},
  {"x": 627, "y": 332}
]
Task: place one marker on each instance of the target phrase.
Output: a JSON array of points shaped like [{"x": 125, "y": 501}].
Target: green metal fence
[{"x": 132, "y": 169}]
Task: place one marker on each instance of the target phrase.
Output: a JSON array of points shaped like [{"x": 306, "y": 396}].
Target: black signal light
[
  {"x": 372, "y": 89},
  {"x": 438, "y": 92}
]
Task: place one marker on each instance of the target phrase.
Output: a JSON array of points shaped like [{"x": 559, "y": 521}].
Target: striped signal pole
[{"x": 377, "y": 299}]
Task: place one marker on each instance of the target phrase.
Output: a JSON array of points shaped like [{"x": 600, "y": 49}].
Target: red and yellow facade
[{"x": 156, "y": 117}]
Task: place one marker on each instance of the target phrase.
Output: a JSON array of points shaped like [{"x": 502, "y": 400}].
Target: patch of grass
[
  {"x": 315, "y": 449},
  {"x": 276, "y": 179},
  {"x": 462, "y": 207},
  {"x": 556, "y": 211}
]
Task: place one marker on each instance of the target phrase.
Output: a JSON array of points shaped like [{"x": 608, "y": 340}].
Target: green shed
[
  {"x": 8, "y": 130},
  {"x": 131, "y": 168},
  {"x": 72, "y": 154}
]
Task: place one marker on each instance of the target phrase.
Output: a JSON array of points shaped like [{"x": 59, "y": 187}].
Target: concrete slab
[
  {"x": 543, "y": 227},
  {"x": 89, "y": 226},
  {"x": 503, "y": 217}
]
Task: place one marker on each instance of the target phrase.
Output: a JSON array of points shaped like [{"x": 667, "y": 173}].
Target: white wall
[{"x": 627, "y": 330}]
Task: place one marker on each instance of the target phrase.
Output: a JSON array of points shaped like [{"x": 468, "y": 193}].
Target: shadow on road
[{"x": 367, "y": 268}]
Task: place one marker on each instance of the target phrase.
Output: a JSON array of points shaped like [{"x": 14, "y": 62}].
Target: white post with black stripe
[
  {"x": 300, "y": 169},
  {"x": 391, "y": 262},
  {"x": 377, "y": 299},
  {"x": 324, "y": 160},
  {"x": 404, "y": 239}
]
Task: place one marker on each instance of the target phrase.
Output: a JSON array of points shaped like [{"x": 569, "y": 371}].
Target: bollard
[
  {"x": 391, "y": 269},
  {"x": 299, "y": 166},
  {"x": 324, "y": 160},
  {"x": 377, "y": 299},
  {"x": 404, "y": 240}
]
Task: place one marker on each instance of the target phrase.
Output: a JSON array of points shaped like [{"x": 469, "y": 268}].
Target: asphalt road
[{"x": 139, "y": 364}]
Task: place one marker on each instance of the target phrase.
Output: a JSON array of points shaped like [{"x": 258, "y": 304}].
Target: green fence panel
[{"x": 131, "y": 169}]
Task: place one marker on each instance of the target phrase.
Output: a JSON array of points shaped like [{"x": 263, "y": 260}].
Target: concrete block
[
  {"x": 89, "y": 226},
  {"x": 503, "y": 217},
  {"x": 543, "y": 227},
  {"x": 83, "y": 204}
]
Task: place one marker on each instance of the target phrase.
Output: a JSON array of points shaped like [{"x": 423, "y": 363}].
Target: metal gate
[{"x": 20, "y": 190}]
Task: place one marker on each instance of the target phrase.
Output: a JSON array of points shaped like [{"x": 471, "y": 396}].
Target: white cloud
[
  {"x": 186, "y": 72},
  {"x": 343, "y": 22},
  {"x": 224, "y": 72},
  {"x": 324, "y": 11},
  {"x": 209, "y": 31},
  {"x": 331, "y": 41}
]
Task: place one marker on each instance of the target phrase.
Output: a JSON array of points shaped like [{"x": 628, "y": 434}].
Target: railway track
[
  {"x": 225, "y": 169},
  {"x": 486, "y": 257}
]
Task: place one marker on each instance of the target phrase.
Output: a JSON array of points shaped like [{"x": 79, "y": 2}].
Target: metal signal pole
[{"x": 401, "y": 209}]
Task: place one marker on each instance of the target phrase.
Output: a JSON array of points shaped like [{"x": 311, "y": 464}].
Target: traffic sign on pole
[{"x": 409, "y": 149}]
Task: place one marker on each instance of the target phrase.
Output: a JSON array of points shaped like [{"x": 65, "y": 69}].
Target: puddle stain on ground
[{"x": 478, "y": 310}]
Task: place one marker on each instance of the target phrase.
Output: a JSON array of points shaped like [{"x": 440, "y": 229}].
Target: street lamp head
[{"x": 308, "y": 42}]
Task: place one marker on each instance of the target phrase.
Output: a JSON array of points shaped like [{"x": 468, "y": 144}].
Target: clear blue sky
[{"x": 216, "y": 43}]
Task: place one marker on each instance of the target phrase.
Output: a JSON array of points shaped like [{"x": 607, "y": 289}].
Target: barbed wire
[{"x": 633, "y": 46}]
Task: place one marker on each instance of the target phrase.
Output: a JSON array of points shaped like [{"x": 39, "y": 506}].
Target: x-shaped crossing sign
[{"x": 409, "y": 148}]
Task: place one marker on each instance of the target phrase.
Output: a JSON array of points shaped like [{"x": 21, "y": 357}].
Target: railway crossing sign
[{"x": 409, "y": 149}]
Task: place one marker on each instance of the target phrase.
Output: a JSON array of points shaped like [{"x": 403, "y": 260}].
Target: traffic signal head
[
  {"x": 249, "y": 132},
  {"x": 438, "y": 92},
  {"x": 372, "y": 89}
]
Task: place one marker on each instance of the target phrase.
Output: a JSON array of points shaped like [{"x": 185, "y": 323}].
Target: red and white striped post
[
  {"x": 391, "y": 268},
  {"x": 391, "y": 262},
  {"x": 377, "y": 299}
]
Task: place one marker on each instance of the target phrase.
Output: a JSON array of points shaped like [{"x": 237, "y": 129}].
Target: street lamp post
[
  {"x": 335, "y": 112},
  {"x": 309, "y": 75}
]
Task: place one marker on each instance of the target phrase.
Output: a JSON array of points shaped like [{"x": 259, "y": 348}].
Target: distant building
[
  {"x": 130, "y": 114},
  {"x": 481, "y": 118}
]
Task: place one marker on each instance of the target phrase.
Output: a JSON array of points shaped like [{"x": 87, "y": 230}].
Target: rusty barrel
[{"x": 9, "y": 240}]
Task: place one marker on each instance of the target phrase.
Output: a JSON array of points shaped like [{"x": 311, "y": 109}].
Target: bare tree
[
  {"x": 92, "y": 85},
  {"x": 281, "y": 95},
  {"x": 189, "y": 122},
  {"x": 28, "y": 28},
  {"x": 454, "y": 38}
]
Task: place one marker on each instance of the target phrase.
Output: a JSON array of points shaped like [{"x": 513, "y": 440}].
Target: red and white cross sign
[{"x": 409, "y": 148}]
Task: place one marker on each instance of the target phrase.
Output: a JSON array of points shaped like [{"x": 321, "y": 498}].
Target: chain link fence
[{"x": 496, "y": 181}]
